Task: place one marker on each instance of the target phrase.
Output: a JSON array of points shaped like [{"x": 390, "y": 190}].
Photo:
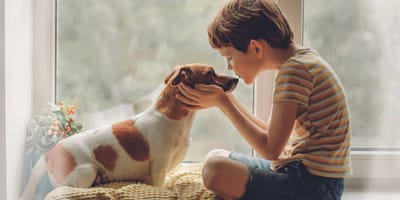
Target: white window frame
[
  {"x": 375, "y": 168},
  {"x": 3, "y": 156},
  {"x": 28, "y": 80}
]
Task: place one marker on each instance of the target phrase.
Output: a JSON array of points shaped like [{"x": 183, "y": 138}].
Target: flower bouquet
[{"x": 44, "y": 130}]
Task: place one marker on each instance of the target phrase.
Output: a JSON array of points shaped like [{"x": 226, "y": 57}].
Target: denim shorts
[{"x": 292, "y": 181}]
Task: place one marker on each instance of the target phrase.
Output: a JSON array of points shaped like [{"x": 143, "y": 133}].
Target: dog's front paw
[{"x": 158, "y": 180}]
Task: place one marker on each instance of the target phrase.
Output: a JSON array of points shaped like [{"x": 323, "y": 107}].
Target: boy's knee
[
  {"x": 212, "y": 167},
  {"x": 211, "y": 171},
  {"x": 217, "y": 152}
]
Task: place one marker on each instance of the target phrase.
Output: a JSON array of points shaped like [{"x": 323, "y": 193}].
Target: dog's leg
[
  {"x": 158, "y": 171},
  {"x": 37, "y": 173},
  {"x": 83, "y": 176}
]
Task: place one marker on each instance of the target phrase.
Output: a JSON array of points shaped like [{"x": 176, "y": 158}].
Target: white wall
[
  {"x": 18, "y": 95},
  {"x": 3, "y": 180}
]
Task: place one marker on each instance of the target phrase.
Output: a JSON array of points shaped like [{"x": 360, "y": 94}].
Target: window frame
[
  {"x": 383, "y": 164},
  {"x": 3, "y": 155},
  {"x": 22, "y": 49}
]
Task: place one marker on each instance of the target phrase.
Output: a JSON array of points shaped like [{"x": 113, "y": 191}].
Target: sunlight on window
[{"x": 361, "y": 40}]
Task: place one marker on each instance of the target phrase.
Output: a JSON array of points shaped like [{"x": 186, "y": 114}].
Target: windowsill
[
  {"x": 370, "y": 194},
  {"x": 375, "y": 171}
]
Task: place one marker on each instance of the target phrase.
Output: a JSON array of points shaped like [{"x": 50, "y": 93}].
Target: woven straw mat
[{"x": 184, "y": 182}]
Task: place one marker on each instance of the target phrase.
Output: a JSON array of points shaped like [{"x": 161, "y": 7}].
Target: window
[
  {"x": 342, "y": 31},
  {"x": 321, "y": 25},
  {"x": 361, "y": 40},
  {"x": 112, "y": 57}
]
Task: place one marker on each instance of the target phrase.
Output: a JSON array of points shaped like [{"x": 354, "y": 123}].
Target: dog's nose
[
  {"x": 231, "y": 83},
  {"x": 235, "y": 80}
]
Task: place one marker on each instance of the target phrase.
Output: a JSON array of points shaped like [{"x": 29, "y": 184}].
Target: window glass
[
  {"x": 361, "y": 40},
  {"x": 112, "y": 57}
]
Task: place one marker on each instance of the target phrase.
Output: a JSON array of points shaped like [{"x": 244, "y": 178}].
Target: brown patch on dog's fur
[
  {"x": 106, "y": 155},
  {"x": 167, "y": 103},
  {"x": 60, "y": 163},
  {"x": 131, "y": 140},
  {"x": 169, "y": 106}
]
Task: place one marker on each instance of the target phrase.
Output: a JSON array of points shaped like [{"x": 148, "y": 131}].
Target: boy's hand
[{"x": 203, "y": 96}]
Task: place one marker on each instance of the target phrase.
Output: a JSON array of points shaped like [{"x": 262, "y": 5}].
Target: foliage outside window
[
  {"x": 361, "y": 40},
  {"x": 112, "y": 57}
]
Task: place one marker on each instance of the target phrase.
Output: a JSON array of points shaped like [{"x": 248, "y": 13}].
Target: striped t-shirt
[{"x": 320, "y": 137}]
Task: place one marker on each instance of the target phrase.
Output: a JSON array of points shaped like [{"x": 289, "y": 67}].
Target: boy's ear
[{"x": 257, "y": 46}]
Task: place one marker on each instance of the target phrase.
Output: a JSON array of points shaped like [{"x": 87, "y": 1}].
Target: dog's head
[
  {"x": 190, "y": 75},
  {"x": 196, "y": 73}
]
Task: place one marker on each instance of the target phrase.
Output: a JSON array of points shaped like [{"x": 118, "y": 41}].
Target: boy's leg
[
  {"x": 224, "y": 176},
  {"x": 234, "y": 176}
]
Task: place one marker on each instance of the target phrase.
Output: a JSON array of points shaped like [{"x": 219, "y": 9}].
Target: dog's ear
[
  {"x": 169, "y": 75},
  {"x": 183, "y": 74}
]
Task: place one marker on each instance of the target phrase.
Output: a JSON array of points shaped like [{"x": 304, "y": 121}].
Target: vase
[{"x": 44, "y": 186}]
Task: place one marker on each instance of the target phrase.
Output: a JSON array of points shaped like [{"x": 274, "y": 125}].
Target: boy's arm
[
  {"x": 205, "y": 96},
  {"x": 270, "y": 141}
]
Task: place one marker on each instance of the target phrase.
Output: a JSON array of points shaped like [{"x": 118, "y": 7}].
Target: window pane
[
  {"x": 361, "y": 40},
  {"x": 112, "y": 56}
]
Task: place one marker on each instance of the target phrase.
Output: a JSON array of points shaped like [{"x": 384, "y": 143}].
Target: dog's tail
[{"x": 31, "y": 186}]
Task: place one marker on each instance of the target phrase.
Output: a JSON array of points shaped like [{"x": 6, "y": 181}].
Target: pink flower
[
  {"x": 70, "y": 110},
  {"x": 67, "y": 128}
]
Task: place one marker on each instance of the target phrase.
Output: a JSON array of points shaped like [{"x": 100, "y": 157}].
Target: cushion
[{"x": 183, "y": 182}]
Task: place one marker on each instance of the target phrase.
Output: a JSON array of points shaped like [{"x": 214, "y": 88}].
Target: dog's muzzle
[{"x": 231, "y": 84}]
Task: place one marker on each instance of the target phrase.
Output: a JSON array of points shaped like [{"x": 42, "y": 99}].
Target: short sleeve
[{"x": 293, "y": 83}]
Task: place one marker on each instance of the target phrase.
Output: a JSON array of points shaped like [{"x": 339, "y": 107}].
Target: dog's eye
[{"x": 210, "y": 73}]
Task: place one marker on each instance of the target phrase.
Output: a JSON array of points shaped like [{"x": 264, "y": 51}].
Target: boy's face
[{"x": 245, "y": 65}]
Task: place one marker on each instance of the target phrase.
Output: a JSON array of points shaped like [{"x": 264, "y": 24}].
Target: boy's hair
[{"x": 240, "y": 21}]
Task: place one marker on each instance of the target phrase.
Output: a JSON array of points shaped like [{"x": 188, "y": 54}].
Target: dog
[{"x": 142, "y": 148}]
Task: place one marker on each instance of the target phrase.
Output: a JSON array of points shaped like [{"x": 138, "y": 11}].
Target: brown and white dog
[{"x": 142, "y": 148}]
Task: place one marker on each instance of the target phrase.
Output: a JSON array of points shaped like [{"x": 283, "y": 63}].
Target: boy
[{"x": 305, "y": 145}]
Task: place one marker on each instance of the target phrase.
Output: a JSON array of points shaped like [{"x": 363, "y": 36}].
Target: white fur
[{"x": 168, "y": 141}]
